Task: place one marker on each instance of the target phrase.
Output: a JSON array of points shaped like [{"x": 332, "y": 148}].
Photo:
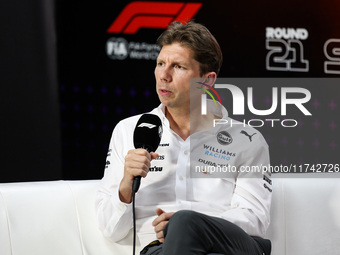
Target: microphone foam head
[{"x": 148, "y": 132}]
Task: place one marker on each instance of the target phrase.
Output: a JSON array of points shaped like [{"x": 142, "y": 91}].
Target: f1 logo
[
  {"x": 138, "y": 15},
  {"x": 148, "y": 125}
]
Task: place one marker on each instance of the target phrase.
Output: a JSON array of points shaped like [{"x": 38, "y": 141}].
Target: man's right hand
[{"x": 137, "y": 163}]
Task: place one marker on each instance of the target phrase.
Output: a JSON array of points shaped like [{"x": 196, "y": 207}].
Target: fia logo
[{"x": 117, "y": 48}]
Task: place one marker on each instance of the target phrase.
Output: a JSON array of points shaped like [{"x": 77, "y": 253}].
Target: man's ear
[{"x": 209, "y": 79}]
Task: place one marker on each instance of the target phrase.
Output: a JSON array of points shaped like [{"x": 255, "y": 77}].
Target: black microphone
[{"x": 147, "y": 135}]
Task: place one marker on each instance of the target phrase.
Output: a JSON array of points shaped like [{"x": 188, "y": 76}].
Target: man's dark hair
[{"x": 197, "y": 38}]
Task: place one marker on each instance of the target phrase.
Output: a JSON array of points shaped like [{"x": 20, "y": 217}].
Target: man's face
[{"x": 175, "y": 67}]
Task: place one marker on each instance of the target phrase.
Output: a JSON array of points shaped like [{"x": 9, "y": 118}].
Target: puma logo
[{"x": 246, "y": 134}]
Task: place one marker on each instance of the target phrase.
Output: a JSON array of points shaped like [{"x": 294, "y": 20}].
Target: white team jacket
[{"x": 185, "y": 176}]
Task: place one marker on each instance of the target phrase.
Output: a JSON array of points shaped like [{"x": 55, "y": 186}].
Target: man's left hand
[{"x": 160, "y": 222}]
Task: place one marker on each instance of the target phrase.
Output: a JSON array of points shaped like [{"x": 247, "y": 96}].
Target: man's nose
[{"x": 166, "y": 74}]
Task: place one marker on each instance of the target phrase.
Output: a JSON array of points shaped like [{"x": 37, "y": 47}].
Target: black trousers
[{"x": 190, "y": 232}]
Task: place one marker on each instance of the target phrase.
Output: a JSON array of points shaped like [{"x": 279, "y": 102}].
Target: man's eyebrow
[
  {"x": 179, "y": 63},
  {"x": 175, "y": 62}
]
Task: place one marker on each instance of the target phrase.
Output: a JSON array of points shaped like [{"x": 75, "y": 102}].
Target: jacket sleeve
[
  {"x": 250, "y": 204},
  {"x": 114, "y": 217}
]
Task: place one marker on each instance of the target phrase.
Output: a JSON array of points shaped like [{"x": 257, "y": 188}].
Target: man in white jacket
[{"x": 188, "y": 213}]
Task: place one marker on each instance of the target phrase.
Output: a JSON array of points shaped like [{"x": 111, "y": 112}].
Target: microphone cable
[
  {"x": 134, "y": 221},
  {"x": 135, "y": 188}
]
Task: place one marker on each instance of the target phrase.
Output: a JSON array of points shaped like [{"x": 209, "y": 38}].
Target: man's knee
[
  {"x": 185, "y": 219},
  {"x": 184, "y": 228},
  {"x": 184, "y": 216}
]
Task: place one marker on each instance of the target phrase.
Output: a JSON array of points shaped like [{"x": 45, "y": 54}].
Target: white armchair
[{"x": 58, "y": 218}]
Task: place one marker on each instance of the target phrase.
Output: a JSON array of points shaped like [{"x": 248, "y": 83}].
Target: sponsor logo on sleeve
[
  {"x": 156, "y": 169},
  {"x": 164, "y": 144},
  {"x": 246, "y": 134}
]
